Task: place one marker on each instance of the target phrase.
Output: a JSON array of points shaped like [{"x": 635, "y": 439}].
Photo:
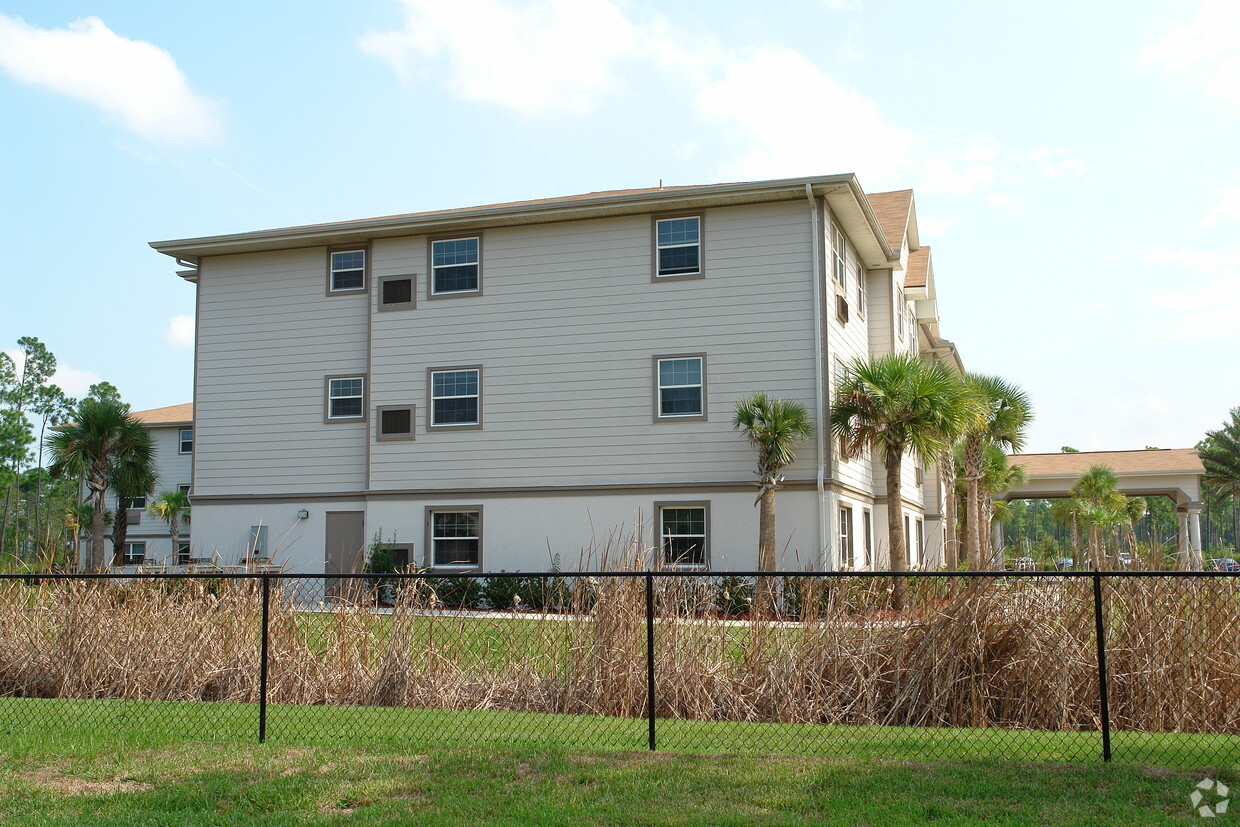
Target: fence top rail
[{"x": 565, "y": 575}]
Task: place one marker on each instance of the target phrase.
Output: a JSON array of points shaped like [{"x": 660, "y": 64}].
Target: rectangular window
[
  {"x": 455, "y": 538},
  {"x": 908, "y": 543},
  {"x": 183, "y": 488},
  {"x": 396, "y": 293},
  {"x": 867, "y": 537},
  {"x": 912, "y": 332},
  {"x": 183, "y": 554},
  {"x": 860, "y": 292},
  {"x": 134, "y": 554},
  {"x": 846, "y": 537},
  {"x": 345, "y": 398},
  {"x": 187, "y": 441},
  {"x": 921, "y": 541},
  {"x": 347, "y": 270},
  {"x": 678, "y": 246},
  {"x": 841, "y": 257},
  {"x": 900, "y": 309},
  {"x": 456, "y": 266},
  {"x": 456, "y": 397},
  {"x": 683, "y": 534},
  {"x": 135, "y": 503},
  {"x": 395, "y": 422},
  {"x": 680, "y": 383},
  {"x": 256, "y": 545}
]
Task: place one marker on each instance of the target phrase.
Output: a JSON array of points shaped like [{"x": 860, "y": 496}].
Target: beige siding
[
  {"x": 565, "y": 330},
  {"x": 267, "y": 337},
  {"x": 846, "y": 343}
]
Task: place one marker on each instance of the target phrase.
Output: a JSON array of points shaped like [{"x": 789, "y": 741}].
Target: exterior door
[{"x": 345, "y": 554}]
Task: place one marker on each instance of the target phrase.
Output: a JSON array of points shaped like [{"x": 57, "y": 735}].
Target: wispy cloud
[
  {"x": 250, "y": 184},
  {"x": 133, "y": 81},
  {"x": 1202, "y": 305},
  {"x": 1204, "y": 48},
  {"x": 180, "y": 332}
]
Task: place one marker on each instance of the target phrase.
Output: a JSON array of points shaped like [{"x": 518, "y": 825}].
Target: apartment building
[{"x": 541, "y": 383}]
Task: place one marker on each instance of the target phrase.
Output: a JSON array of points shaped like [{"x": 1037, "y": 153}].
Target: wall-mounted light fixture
[{"x": 303, "y": 514}]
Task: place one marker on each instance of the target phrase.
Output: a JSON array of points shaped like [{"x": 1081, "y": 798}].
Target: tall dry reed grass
[{"x": 992, "y": 653}]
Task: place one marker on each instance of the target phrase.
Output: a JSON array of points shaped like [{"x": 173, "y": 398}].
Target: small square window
[
  {"x": 396, "y": 293},
  {"x": 683, "y": 537},
  {"x": 345, "y": 398},
  {"x": 456, "y": 266},
  {"x": 455, "y": 397},
  {"x": 395, "y": 423},
  {"x": 346, "y": 270},
  {"x": 454, "y": 538},
  {"x": 183, "y": 488},
  {"x": 678, "y": 246},
  {"x": 135, "y": 554},
  {"x": 680, "y": 387},
  {"x": 187, "y": 441}
]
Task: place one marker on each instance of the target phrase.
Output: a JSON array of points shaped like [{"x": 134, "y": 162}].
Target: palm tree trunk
[
  {"x": 766, "y": 548},
  {"x": 898, "y": 561},
  {"x": 973, "y": 525},
  {"x": 120, "y": 530},
  {"x": 951, "y": 549},
  {"x": 97, "y": 561},
  {"x": 986, "y": 508}
]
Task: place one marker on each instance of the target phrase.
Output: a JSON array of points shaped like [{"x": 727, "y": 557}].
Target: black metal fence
[{"x": 1032, "y": 666}]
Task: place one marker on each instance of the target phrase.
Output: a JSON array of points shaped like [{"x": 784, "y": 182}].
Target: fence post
[
  {"x": 262, "y": 668},
  {"x": 1100, "y": 636},
  {"x": 650, "y": 657}
]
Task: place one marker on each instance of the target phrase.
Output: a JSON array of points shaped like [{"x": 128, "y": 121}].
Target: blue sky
[{"x": 1075, "y": 165}]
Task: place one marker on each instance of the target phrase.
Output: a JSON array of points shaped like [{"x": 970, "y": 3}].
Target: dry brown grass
[{"x": 1017, "y": 654}]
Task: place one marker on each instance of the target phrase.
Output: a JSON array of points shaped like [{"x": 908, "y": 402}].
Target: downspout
[{"x": 825, "y": 560}]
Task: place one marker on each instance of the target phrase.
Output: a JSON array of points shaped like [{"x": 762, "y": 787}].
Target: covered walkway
[{"x": 1174, "y": 473}]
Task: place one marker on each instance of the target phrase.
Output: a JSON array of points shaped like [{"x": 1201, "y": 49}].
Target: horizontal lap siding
[
  {"x": 848, "y": 342},
  {"x": 565, "y": 332},
  {"x": 267, "y": 337}
]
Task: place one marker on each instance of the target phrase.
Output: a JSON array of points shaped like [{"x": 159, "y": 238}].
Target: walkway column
[
  {"x": 1194, "y": 535},
  {"x": 996, "y": 545},
  {"x": 1184, "y": 562}
]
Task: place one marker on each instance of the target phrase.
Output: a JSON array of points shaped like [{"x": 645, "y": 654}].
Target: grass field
[{"x": 111, "y": 763}]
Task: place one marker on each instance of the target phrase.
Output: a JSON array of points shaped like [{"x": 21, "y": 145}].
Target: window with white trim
[
  {"x": 456, "y": 266},
  {"x": 135, "y": 503},
  {"x": 183, "y": 554},
  {"x": 846, "y": 537},
  {"x": 134, "y": 554},
  {"x": 683, "y": 535},
  {"x": 678, "y": 246},
  {"x": 908, "y": 543},
  {"x": 346, "y": 397},
  {"x": 921, "y": 541},
  {"x": 860, "y": 290},
  {"x": 455, "y": 539},
  {"x": 347, "y": 271},
  {"x": 681, "y": 387},
  {"x": 186, "y": 441},
  {"x": 900, "y": 309},
  {"x": 867, "y": 537},
  {"x": 841, "y": 257},
  {"x": 456, "y": 398}
]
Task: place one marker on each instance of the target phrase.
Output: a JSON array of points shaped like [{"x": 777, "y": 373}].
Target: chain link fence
[{"x": 1037, "y": 666}]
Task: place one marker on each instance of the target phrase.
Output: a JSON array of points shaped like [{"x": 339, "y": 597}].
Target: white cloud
[
  {"x": 1003, "y": 202},
  {"x": 554, "y": 55},
  {"x": 1204, "y": 47},
  {"x": 135, "y": 82},
  {"x": 761, "y": 98},
  {"x": 1198, "y": 308},
  {"x": 180, "y": 332},
  {"x": 934, "y": 226}
]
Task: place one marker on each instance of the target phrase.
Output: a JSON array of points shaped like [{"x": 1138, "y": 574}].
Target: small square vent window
[
  {"x": 396, "y": 422},
  {"x": 396, "y": 293}
]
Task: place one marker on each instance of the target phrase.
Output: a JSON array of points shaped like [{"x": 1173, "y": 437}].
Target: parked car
[
  {"x": 1024, "y": 564},
  {"x": 1063, "y": 564},
  {"x": 1124, "y": 559},
  {"x": 1223, "y": 564}
]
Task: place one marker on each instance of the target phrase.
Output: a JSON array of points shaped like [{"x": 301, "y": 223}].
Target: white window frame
[
  {"x": 432, "y": 539},
  {"x": 846, "y": 537},
  {"x": 901, "y": 308},
  {"x": 664, "y": 537},
  {"x": 860, "y": 290},
  {"x": 128, "y": 558},
  {"x": 435, "y": 268},
  {"x": 141, "y": 503},
  {"x": 330, "y": 415},
  {"x": 841, "y": 258},
  {"x": 867, "y": 531},
  {"x": 432, "y": 398},
  {"x": 659, "y": 387},
  {"x": 333, "y": 271},
  {"x": 182, "y": 441},
  {"x": 659, "y": 248}
]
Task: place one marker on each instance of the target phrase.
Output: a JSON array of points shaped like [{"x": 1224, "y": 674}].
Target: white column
[
  {"x": 996, "y": 544},
  {"x": 1194, "y": 536},
  {"x": 1183, "y": 539}
]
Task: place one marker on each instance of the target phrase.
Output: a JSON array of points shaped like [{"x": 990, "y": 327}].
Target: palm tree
[
  {"x": 173, "y": 506},
  {"x": 895, "y": 404},
  {"x": 1220, "y": 454},
  {"x": 129, "y": 480},
  {"x": 104, "y": 444},
  {"x": 1005, "y": 416},
  {"x": 774, "y": 427},
  {"x": 998, "y": 476}
]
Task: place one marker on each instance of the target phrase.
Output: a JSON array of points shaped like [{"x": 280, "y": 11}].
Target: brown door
[{"x": 345, "y": 554}]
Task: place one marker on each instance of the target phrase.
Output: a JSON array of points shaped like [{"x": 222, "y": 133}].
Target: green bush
[{"x": 734, "y": 595}]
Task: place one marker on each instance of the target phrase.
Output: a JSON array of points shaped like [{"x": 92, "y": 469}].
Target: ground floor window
[
  {"x": 908, "y": 544},
  {"x": 867, "y": 537},
  {"x": 183, "y": 554},
  {"x": 846, "y": 537},
  {"x": 683, "y": 534},
  {"x": 134, "y": 554},
  {"x": 455, "y": 538}
]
